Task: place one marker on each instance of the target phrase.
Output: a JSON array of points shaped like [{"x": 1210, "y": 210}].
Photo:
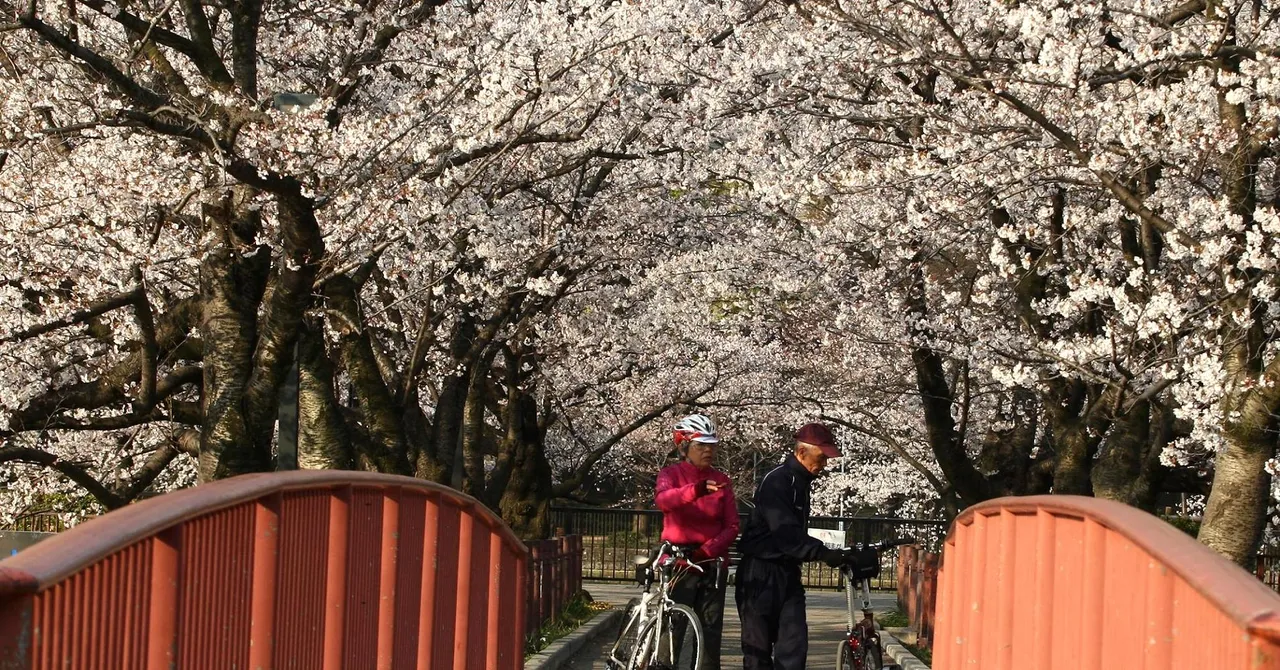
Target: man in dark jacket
[{"x": 775, "y": 634}]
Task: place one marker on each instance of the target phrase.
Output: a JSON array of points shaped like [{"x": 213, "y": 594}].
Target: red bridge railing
[
  {"x": 1065, "y": 582},
  {"x": 917, "y": 573},
  {"x": 555, "y": 576},
  {"x": 305, "y": 569}
]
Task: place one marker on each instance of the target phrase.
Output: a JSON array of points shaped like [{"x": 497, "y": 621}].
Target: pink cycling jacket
[{"x": 692, "y": 514}]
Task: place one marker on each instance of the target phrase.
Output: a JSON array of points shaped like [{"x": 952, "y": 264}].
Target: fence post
[
  {"x": 536, "y": 603},
  {"x": 928, "y": 599},
  {"x": 549, "y": 575},
  {"x": 577, "y": 561},
  {"x": 902, "y": 570}
]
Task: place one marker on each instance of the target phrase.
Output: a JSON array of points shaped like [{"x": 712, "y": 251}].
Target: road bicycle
[
  {"x": 861, "y": 648},
  {"x": 659, "y": 633}
]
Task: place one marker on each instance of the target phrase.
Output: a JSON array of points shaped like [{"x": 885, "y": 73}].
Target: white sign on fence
[{"x": 834, "y": 539}]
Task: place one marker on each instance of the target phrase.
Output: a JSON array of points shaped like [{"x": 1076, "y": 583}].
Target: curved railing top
[
  {"x": 60, "y": 556},
  {"x": 1235, "y": 592}
]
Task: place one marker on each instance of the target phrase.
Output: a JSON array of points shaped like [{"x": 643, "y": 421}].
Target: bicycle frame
[
  {"x": 861, "y": 635},
  {"x": 669, "y": 565}
]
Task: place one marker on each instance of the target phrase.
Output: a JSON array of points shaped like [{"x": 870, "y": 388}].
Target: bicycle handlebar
[
  {"x": 885, "y": 544},
  {"x": 674, "y": 555}
]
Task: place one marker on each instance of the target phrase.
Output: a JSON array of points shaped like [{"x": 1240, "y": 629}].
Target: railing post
[
  {"x": 902, "y": 574},
  {"x": 536, "y": 591},
  {"x": 577, "y": 561},
  {"x": 928, "y": 599},
  {"x": 566, "y": 583}
]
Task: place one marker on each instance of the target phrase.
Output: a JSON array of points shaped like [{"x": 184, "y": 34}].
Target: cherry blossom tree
[
  {"x": 1008, "y": 248},
  {"x": 395, "y": 198}
]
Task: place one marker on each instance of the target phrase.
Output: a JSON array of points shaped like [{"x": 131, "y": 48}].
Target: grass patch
[
  {"x": 894, "y": 619},
  {"x": 576, "y": 612},
  {"x": 923, "y": 653}
]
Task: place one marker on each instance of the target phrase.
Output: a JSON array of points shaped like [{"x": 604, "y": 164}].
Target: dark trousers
[
  {"x": 704, "y": 593},
  {"x": 775, "y": 635}
]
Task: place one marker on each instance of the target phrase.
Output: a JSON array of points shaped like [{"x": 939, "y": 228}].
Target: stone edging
[
  {"x": 559, "y": 652},
  {"x": 900, "y": 654}
]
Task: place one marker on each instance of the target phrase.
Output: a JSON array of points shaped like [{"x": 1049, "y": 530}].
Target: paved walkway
[{"x": 827, "y": 621}]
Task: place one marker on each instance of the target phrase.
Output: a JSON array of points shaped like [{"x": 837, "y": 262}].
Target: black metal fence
[
  {"x": 612, "y": 538},
  {"x": 37, "y": 522}
]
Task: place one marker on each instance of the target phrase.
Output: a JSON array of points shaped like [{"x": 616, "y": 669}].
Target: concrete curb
[
  {"x": 900, "y": 654},
  {"x": 559, "y": 652}
]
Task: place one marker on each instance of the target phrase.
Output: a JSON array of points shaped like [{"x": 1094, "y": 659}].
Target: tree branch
[
  {"x": 897, "y": 447},
  {"x": 73, "y": 471},
  {"x": 206, "y": 54},
  {"x": 580, "y": 474},
  {"x": 92, "y": 311},
  {"x": 159, "y": 460},
  {"x": 141, "y": 95}
]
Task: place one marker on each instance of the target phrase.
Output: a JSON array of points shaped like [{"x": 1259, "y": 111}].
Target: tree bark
[
  {"x": 231, "y": 288},
  {"x": 386, "y": 450},
  {"x": 1237, "y": 508},
  {"x": 323, "y": 441},
  {"x": 525, "y": 503}
]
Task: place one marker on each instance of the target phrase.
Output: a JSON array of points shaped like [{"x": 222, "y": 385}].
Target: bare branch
[
  {"x": 140, "y": 94},
  {"x": 92, "y": 311},
  {"x": 73, "y": 471},
  {"x": 580, "y": 474},
  {"x": 1183, "y": 12},
  {"x": 159, "y": 460}
]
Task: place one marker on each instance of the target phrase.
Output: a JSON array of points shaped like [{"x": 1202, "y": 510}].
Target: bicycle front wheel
[
  {"x": 620, "y": 654},
  {"x": 873, "y": 658},
  {"x": 671, "y": 641},
  {"x": 844, "y": 657}
]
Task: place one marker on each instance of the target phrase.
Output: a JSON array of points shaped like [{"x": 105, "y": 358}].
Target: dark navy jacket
[{"x": 778, "y": 528}]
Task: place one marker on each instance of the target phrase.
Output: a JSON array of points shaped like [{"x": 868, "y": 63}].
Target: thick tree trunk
[
  {"x": 936, "y": 395},
  {"x": 525, "y": 503},
  {"x": 231, "y": 288},
  {"x": 1006, "y": 453},
  {"x": 1073, "y": 467},
  {"x": 385, "y": 449},
  {"x": 323, "y": 442},
  {"x": 1124, "y": 471},
  {"x": 471, "y": 442},
  {"x": 1237, "y": 509},
  {"x": 438, "y": 461}
]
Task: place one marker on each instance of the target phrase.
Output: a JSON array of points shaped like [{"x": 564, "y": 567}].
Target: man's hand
[
  {"x": 863, "y": 563},
  {"x": 833, "y": 557}
]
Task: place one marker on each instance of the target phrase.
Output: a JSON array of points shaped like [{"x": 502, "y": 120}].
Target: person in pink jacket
[{"x": 700, "y": 515}]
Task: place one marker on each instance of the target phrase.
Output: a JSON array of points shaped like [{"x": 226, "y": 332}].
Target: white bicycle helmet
[{"x": 695, "y": 428}]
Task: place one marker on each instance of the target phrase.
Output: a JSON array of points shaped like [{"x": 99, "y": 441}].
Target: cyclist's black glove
[
  {"x": 834, "y": 557},
  {"x": 863, "y": 563}
]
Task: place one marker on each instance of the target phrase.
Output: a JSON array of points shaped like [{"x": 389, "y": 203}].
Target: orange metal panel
[
  {"x": 266, "y": 554},
  {"x": 462, "y": 610},
  {"x": 446, "y": 561},
  {"x": 216, "y": 574},
  {"x": 1057, "y": 582},
  {"x": 335, "y": 592},
  {"x": 409, "y": 569},
  {"x": 476, "y": 630},
  {"x": 364, "y": 570},
  {"x": 1092, "y": 594},
  {"x": 289, "y": 570},
  {"x": 162, "y": 615},
  {"x": 430, "y": 571},
  {"x": 521, "y": 612},
  {"x": 300, "y": 587},
  {"x": 387, "y": 578}
]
